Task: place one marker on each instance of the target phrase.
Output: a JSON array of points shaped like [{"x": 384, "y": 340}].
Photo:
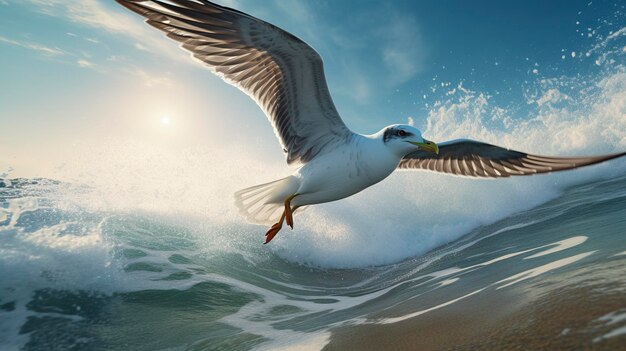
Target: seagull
[{"x": 285, "y": 77}]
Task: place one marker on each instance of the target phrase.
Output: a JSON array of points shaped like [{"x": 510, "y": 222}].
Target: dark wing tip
[
  {"x": 603, "y": 158},
  {"x": 477, "y": 159}
]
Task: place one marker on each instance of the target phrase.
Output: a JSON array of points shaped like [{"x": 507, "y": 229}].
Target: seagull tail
[{"x": 264, "y": 203}]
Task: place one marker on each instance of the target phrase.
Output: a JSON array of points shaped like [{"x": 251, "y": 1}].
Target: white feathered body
[
  {"x": 348, "y": 169},
  {"x": 345, "y": 171}
]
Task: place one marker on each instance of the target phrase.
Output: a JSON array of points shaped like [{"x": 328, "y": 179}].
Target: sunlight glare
[{"x": 165, "y": 120}]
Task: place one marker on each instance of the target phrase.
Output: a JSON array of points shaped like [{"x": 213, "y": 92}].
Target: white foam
[
  {"x": 298, "y": 342},
  {"x": 534, "y": 272},
  {"x": 517, "y": 278},
  {"x": 613, "y": 333},
  {"x": 47, "y": 259},
  {"x": 613, "y": 317},
  {"x": 419, "y": 313},
  {"x": 448, "y": 281},
  {"x": 560, "y": 246}
]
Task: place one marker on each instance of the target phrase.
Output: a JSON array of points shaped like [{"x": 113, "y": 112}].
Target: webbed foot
[{"x": 271, "y": 233}]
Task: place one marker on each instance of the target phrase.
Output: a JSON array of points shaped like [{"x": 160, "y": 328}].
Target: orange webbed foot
[{"x": 271, "y": 233}]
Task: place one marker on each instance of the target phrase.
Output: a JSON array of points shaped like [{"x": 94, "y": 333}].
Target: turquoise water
[{"x": 76, "y": 278}]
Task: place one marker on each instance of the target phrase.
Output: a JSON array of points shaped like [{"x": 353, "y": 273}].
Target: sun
[{"x": 166, "y": 120}]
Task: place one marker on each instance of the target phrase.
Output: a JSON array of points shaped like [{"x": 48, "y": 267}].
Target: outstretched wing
[
  {"x": 280, "y": 72},
  {"x": 476, "y": 159}
]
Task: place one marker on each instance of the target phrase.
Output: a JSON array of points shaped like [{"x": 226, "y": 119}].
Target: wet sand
[{"x": 561, "y": 319}]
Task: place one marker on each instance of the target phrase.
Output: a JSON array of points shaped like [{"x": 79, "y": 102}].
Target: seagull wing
[
  {"x": 283, "y": 74},
  {"x": 476, "y": 159}
]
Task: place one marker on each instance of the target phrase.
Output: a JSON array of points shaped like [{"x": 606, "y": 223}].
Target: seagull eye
[{"x": 402, "y": 133}]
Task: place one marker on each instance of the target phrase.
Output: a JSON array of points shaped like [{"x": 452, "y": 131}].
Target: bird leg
[
  {"x": 287, "y": 214},
  {"x": 289, "y": 211},
  {"x": 274, "y": 229}
]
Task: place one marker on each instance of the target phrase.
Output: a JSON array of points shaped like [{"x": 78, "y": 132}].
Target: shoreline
[{"x": 562, "y": 319}]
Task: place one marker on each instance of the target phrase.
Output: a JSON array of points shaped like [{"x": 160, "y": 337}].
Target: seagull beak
[{"x": 427, "y": 145}]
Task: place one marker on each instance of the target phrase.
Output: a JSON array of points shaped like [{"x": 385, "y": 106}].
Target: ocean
[{"x": 79, "y": 278}]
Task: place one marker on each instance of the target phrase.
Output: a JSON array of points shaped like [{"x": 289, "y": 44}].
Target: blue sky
[{"x": 90, "y": 70}]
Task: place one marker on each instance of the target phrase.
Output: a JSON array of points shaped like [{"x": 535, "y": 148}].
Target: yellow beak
[{"x": 427, "y": 145}]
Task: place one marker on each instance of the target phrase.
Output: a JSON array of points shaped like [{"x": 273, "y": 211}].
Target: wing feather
[
  {"x": 477, "y": 159},
  {"x": 283, "y": 74}
]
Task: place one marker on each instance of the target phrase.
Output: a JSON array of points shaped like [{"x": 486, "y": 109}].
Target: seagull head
[{"x": 403, "y": 139}]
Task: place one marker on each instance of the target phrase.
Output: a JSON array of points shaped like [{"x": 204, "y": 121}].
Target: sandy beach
[{"x": 529, "y": 319}]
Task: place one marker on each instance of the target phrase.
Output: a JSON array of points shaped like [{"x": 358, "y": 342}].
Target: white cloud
[
  {"x": 93, "y": 13},
  {"x": 116, "y": 58},
  {"x": 139, "y": 46},
  {"x": 91, "y": 40},
  {"x": 151, "y": 80},
  {"x": 46, "y": 50},
  {"x": 356, "y": 85},
  {"x": 298, "y": 11},
  {"x": 400, "y": 63},
  {"x": 84, "y": 63},
  {"x": 403, "y": 52},
  {"x": 395, "y": 41}
]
